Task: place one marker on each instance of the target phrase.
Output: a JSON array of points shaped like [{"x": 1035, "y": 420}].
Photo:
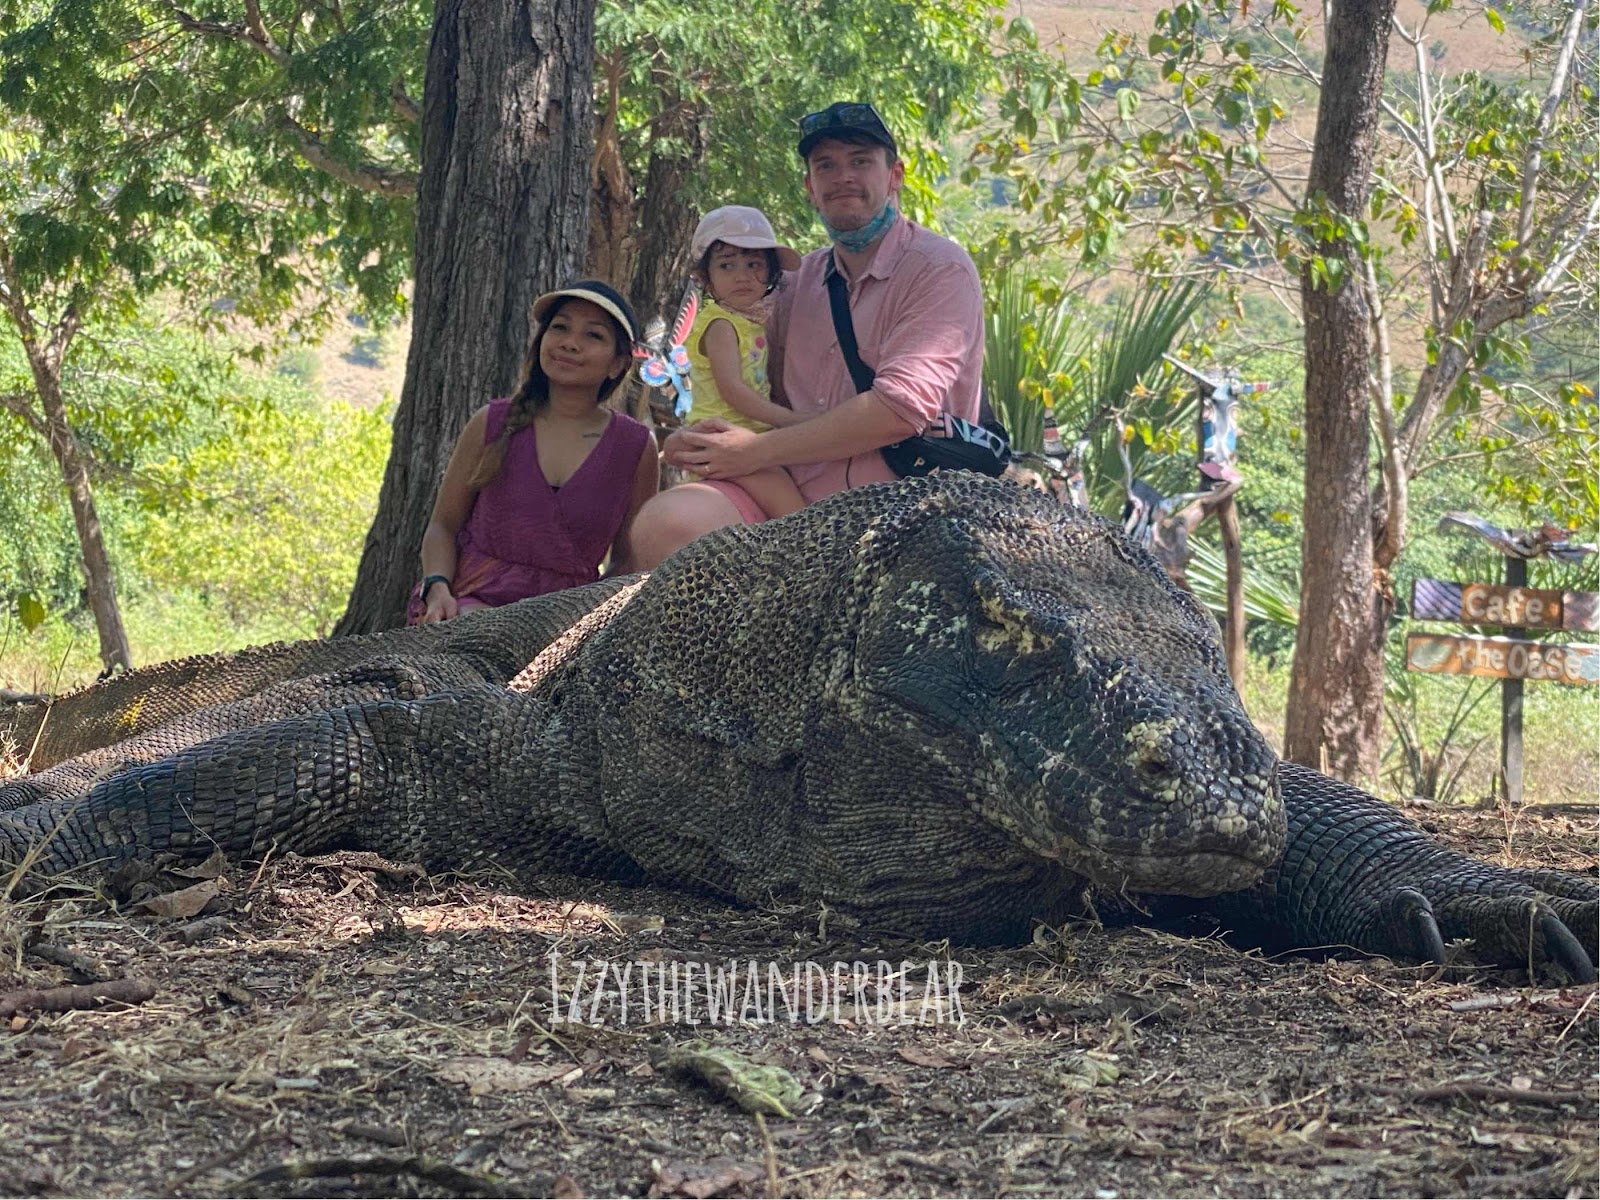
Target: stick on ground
[{"x": 65, "y": 999}]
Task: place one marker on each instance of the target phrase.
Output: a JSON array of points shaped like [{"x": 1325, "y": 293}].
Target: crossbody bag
[{"x": 965, "y": 446}]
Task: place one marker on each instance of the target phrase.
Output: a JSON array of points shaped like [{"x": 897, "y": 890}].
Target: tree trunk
[
  {"x": 611, "y": 216},
  {"x": 502, "y": 215},
  {"x": 661, "y": 266},
  {"x": 99, "y": 584},
  {"x": 1336, "y": 687}
]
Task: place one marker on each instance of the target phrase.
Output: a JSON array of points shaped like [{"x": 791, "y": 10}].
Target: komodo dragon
[{"x": 943, "y": 706}]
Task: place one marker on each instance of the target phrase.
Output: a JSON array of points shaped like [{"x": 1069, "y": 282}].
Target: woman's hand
[{"x": 441, "y": 605}]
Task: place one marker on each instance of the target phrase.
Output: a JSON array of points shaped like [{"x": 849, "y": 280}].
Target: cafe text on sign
[
  {"x": 1497, "y": 604},
  {"x": 1502, "y": 658}
]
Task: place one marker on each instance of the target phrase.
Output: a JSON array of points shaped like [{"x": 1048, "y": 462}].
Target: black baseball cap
[{"x": 849, "y": 120}]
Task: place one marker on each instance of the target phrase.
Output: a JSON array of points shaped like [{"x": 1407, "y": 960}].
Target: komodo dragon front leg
[{"x": 1357, "y": 873}]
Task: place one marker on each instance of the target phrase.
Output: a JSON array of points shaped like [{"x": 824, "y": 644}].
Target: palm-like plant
[
  {"x": 1267, "y": 597},
  {"x": 1122, "y": 396},
  {"x": 1107, "y": 385},
  {"x": 1029, "y": 340}
]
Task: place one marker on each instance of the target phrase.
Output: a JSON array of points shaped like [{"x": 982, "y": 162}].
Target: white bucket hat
[{"x": 741, "y": 226}]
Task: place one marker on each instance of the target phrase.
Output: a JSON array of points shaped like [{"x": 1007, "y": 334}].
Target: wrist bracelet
[{"x": 430, "y": 581}]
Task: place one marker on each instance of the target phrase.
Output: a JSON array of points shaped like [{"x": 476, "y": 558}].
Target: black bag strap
[{"x": 839, "y": 301}]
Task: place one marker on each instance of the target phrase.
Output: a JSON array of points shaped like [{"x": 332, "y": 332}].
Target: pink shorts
[{"x": 750, "y": 512}]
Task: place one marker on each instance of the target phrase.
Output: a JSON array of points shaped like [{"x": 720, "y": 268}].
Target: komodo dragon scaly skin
[
  {"x": 495, "y": 645},
  {"x": 942, "y": 706}
]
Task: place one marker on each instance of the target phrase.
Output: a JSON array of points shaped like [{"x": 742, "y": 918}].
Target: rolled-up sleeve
[{"x": 930, "y": 359}]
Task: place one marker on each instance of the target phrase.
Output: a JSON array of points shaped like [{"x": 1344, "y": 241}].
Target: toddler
[{"x": 738, "y": 264}]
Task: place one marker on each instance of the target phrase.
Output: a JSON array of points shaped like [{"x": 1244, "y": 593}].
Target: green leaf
[
  {"x": 30, "y": 611},
  {"x": 1495, "y": 19}
]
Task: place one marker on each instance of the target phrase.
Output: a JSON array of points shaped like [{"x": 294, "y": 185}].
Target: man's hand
[{"x": 714, "y": 449}]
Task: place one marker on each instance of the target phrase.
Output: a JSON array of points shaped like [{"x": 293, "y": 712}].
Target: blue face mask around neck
[{"x": 857, "y": 240}]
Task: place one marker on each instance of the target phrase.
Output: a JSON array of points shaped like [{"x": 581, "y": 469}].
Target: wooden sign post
[{"x": 1512, "y": 658}]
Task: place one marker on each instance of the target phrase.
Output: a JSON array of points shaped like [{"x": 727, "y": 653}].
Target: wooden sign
[
  {"x": 1497, "y": 604},
  {"x": 1502, "y": 658}
]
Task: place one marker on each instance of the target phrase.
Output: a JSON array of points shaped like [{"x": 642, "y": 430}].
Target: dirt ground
[{"x": 337, "y": 1027}]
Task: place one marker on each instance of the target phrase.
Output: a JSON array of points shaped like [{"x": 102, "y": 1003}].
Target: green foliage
[
  {"x": 157, "y": 122},
  {"x": 278, "y": 499},
  {"x": 754, "y": 67},
  {"x": 1166, "y": 131},
  {"x": 1029, "y": 338},
  {"x": 1045, "y": 356},
  {"x": 232, "y": 492},
  {"x": 1137, "y": 414},
  {"x": 1268, "y": 598}
]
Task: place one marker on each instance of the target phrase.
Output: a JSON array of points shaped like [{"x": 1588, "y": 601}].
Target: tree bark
[
  {"x": 100, "y": 585},
  {"x": 1336, "y": 686},
  {"x": 45, "y": 359},
  {"x": 661, "y": 264},
  {"x": 611, "y": 216},
  {"x": 502, "y": 215}
]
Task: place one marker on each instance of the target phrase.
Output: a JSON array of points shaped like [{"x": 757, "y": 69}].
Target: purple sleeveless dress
[{"x": 525, "y": 538}]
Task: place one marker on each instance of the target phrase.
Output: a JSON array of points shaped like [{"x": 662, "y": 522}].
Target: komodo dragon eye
[{"x": 1157, "y": 767}]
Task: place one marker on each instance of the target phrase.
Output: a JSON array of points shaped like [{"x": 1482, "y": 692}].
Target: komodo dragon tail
[
  {"x": 496, "y": 642},
  {"x": 399, "y": 777}
]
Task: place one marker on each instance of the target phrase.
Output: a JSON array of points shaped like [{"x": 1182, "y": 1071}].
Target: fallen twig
[
  {"x": 220, "y": 1159},
  {"x": 1467, "y": 1090},
  {"x": 1490, "y": 1000},
  {"x": 1587, "y": 1000},
  {"x": 197, "y": 931},
  {"x": 66, "y": 999},
  {"x": 84, "y": 968},
  {"x": 769, "y": 1158},
  {"x": 432, "y": 1169}
]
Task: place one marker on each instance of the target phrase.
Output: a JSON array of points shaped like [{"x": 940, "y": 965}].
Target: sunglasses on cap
[
  {"x": 837, "y": 116},
  {"x": 844, "y": 117}
]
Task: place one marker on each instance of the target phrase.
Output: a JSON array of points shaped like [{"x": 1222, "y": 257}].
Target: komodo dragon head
[{"x": 1033, "y": 650}]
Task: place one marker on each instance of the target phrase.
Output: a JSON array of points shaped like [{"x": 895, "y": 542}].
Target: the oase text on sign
[{"x": 1503, "y": 658}]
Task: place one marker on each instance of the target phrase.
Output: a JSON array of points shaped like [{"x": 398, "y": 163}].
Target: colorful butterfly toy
[{"x": 666, "y": 360}]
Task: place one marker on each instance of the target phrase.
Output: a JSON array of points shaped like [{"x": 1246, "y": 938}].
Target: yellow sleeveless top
[{"x": 752, "y": 336}]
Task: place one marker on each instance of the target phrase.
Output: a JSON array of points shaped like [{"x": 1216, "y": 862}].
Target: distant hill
[{"x": 1471, "y": 42}]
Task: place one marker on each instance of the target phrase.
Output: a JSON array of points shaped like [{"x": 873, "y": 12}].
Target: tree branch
[
  {"x": 369, "y": 177},
  {"x": 17, "y": 404},
  {"x": 1563, "y": 257},
  {"x": 1391, "y": 537},
  {"x": 251, "y": 33},
  {"x": 403, "y": 105},
  {"x": 1547, "y": 112}
]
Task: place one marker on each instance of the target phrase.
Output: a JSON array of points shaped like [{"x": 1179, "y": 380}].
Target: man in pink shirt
[{"x": 917, "y": 310}]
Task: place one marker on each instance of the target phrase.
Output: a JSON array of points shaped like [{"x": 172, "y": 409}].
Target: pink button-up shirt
[{"x": 917, "y": 310}]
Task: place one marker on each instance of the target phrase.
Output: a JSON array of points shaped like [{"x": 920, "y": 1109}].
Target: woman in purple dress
[{"x": 542, "y": 484}]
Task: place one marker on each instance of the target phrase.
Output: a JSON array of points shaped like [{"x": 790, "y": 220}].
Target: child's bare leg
[{"x": 773, "y": 490}]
